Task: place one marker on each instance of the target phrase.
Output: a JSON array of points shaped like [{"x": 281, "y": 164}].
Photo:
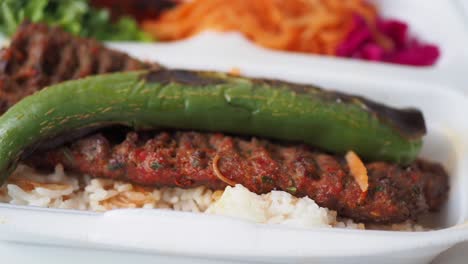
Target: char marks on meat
[
  {"x": 190, "y": 159},
  {"x": 39, "y": 56}
]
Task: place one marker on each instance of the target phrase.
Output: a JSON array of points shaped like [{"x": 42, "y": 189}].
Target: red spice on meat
[{"x": 190, "y": 159}]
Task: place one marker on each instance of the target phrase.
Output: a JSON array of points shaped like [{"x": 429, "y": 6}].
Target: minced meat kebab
[{"x": 299, "y": 149}]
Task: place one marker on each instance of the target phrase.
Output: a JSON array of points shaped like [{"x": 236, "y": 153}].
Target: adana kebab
[
  {"x": 216, "y": 102},
  {"x": 39, "y": 56}
]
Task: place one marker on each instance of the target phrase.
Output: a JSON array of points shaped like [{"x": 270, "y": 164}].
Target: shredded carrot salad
[
  {"x": 358, "y": 170},
  {"x": 313, "y": 26}
]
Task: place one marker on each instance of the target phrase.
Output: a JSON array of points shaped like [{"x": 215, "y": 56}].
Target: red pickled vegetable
[
  {"x": 415, "y": 54},
  {"x": 394, "y": 29},
  {"x": 365, "y": 42},
  {"x": 355, "y": 39},
  {"x": 372, "y": 52}
]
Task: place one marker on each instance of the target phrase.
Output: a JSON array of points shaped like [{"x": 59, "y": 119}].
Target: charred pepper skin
[{"x": 209, "y": 101}]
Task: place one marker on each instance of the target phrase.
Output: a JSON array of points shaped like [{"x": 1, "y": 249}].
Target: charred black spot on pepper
[
  {"x": 409, "y": 122},
  {"x": 165, "y": 76}
]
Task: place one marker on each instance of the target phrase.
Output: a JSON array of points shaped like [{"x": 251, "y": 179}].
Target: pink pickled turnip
[
  {"x": 372, "y": 52},
  {"x": 358, "y": 36},
  {"x": 416, "y": 55},
  {"x": 394, "y": 29},
  {"x": 365, "y": 42}
]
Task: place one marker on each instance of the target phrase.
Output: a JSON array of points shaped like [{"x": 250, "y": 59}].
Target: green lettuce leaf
[{"x": 74, "y": 16}]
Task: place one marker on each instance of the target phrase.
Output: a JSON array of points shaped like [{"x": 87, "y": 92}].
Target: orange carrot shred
[
  {"x": 315, "y": 26},
  {"x": 358, "y": 170},
  {"x": 235, "y": 71}
]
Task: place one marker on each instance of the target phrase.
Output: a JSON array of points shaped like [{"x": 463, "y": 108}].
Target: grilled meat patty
[
  {"x": 190, "y": 159},
  {"x": 39, "y": 56}
]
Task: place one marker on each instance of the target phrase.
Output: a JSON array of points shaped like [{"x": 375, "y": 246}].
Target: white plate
[
  {"x": 435, "y": 21},
  {"x": 436, "y": 90}
]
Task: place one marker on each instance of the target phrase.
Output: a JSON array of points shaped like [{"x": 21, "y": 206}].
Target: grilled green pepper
[{"x": 210, "y": 101}]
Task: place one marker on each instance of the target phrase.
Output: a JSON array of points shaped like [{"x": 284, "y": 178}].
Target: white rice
[
  {"x": 59, "y": 190},
  {"x": 276, "y": 207}
]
